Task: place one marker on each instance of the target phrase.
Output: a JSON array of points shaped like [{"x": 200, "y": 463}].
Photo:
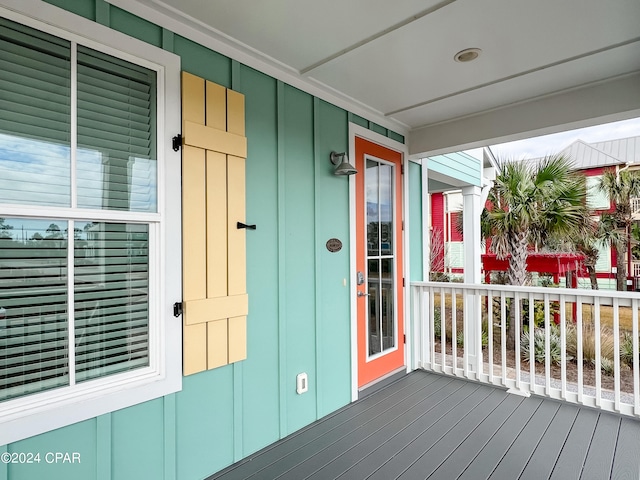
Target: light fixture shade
[{"x": 344, "y": 168}]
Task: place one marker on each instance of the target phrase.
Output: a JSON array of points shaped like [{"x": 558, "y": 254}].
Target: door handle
[{"x": 362, "y": 294}]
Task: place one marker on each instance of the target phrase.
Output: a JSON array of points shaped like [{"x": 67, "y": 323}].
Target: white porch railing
[{"x": 585, "y": 341}]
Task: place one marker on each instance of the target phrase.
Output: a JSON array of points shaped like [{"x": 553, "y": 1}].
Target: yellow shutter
[{"x": 213, "y": 202}]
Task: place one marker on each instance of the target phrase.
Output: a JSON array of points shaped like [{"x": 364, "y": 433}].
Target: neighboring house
[
  {"x": 591, "y": 159},
  {"x": 445, "y": 206},
  {"x": 184, "y": 279}
]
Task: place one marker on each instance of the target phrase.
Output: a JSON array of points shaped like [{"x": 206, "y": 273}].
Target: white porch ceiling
[{"x": 395, "y": 59}]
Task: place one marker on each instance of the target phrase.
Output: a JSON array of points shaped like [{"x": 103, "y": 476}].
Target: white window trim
[{"x": 39, "y": 413}]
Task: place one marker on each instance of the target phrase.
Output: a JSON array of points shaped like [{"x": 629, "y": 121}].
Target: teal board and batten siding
[
  {"x": 459, "y": 166},
  {"x": 298, "y": 302},
  {"x": 417, "y": 233}
]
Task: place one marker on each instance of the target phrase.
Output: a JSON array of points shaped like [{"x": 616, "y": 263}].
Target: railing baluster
[
  {"x": 419, "y": 326},
  {"x": 598, "y": 372},
  {"x": 490, "y": 333},
  {"x": 580, "y": 358},
  {"x": 432, "y": 331},
  {"x": 532, "y": 327},
  {"x": 616, "y": 354},
  {"x": 563, "y": 347},
  {"x": 443, "y": 330},
  {"x": 425, "y": 327},
  {"x": 503, "y": 336},
  {"x": 636, "y": 367},
  {"x": 547, "y": 349},
  {"x": 477, "y": 301},
  {"x": 516, "y": 327},
  {"x": 454, "y": 333}
]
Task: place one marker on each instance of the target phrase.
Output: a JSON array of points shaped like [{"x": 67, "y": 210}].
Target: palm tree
[
  {"x": 587, "y": 242},
  {"x": 531, "y": 204},
  {"x": 620, "y": 187}
]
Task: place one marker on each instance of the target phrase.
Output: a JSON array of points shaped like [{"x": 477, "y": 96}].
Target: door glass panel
[
  {"x": 381, "y": 324},
  {"x": 385, "y": 209},
  {"x": 386, "y": 307},
  {"x": 373, "y": 204},
  {"x": 373, "y": 267}
]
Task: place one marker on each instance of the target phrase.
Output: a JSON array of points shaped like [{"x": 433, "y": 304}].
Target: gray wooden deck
[{"x": 432, "y": 426}]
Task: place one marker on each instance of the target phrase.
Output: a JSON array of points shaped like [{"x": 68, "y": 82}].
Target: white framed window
[
  {"x": 596, "y": 198},
  {"x": 453, "y": 201},
  {"x": 89, "y": 206}
]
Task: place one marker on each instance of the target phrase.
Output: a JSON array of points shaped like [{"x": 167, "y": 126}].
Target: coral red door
[{"x": 379, "y": 260}]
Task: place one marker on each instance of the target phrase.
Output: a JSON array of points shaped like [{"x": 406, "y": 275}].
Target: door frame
[{"x": 359, "y": 131}]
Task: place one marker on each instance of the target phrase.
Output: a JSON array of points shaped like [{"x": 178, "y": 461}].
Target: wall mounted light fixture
[{"x": 344, "y": 167}]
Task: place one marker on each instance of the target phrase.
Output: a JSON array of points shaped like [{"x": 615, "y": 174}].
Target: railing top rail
[{"x": 583, "y": 292}]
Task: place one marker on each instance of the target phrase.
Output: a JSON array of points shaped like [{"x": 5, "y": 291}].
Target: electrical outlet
[{"x": 302, "y": 383}]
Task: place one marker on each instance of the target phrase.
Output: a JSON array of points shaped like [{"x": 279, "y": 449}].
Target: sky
[{"x": 536, "y": 147}]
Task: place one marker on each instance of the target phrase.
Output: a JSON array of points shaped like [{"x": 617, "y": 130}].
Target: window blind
[
  {"x": 116, "y": 133},
  {"x": 111, "y": 299},
  {"x": 33, "y": 297},
  {"x": 35, "y": 121}
]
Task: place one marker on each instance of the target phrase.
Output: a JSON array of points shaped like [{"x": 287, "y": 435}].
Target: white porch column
[{"x": 472, "y": 208}]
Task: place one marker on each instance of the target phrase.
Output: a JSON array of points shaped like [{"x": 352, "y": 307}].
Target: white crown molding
[{"x": 197, "y": 31}]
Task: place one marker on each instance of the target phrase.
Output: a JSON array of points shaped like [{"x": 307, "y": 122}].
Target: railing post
[
  {"x": 472, "y": 209},
  {"x": 421, "y": 327}
]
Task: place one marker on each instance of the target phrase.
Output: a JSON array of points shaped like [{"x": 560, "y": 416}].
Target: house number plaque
[{"x": 334, "y": 245}]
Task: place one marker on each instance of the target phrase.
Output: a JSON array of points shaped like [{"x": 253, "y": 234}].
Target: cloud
[
  {"x": 536, "y": 147},
  {"x": 37, "y": 172}
]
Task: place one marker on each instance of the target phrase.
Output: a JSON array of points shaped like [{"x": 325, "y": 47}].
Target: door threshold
[{"x": 381, "y": 382}]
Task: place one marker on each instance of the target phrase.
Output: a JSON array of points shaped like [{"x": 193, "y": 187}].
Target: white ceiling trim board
[{"x": 188, "y": 27}]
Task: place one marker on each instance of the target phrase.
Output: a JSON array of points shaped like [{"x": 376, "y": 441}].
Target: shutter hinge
[
  {"x": 176, "y": 142},
  {"x": 177, "y": 309},
  {"x": 404, "y": 338},
  {"x": 403, "y": 282},
  {"x": 402, "y": 169}
]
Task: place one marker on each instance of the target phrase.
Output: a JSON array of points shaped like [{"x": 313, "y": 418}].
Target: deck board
[
  {"x": 628, "y": 446},
  {"x": 574, "y": 453},
  {"x": 463, "y": 446},
  {"x": 426, "y": 425},
  {"x": 602, "y": 448},
  {"x": 543, "y": 460}
]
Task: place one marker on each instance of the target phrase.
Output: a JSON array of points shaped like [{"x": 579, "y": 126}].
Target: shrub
[
  {"x": 626, "y": 350},
  {"x": 437, "y": 329},
  {"x": 539, "y": 352},
  {"x": 538, "y": 312},
  {"x": 589, "y": 343},
  {"x": 607, "y": 366},
  {"x": 437, "y": 323},
  {"x": 438, "y": 277}
]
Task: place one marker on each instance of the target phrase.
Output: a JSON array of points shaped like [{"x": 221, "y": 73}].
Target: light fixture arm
[{"x": 336, "y": 158}]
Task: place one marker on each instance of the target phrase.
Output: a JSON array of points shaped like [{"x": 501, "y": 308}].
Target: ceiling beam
[{"x": 607, "y": 101}]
